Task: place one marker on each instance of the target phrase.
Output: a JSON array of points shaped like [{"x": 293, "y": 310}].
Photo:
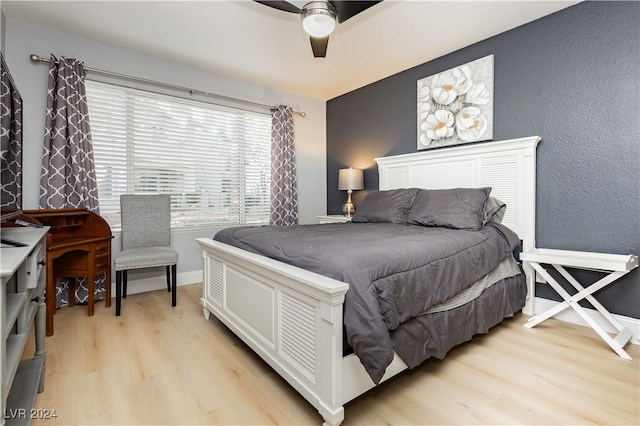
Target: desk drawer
[
  {"x": 103, "y": 248},
  {"x": 102, "y": 262},
  {"x": 102, "y": 259}
]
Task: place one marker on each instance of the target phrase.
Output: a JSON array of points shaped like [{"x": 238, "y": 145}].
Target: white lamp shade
[{"x": 350, "y": 179}]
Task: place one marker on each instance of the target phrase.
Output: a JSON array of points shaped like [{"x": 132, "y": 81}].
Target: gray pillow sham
[
  {"x": 385, "y": 206},
  {"x": 458, "y": 208},
  {"x": 494, "y": 210}
]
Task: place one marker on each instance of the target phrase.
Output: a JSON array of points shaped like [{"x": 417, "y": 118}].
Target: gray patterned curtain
[
  {"x": 10, "y": 139},
  {"x": 284, "y": 188},
  {"x": 68, "y": 176},
  {"x": 68, "y": 173}
]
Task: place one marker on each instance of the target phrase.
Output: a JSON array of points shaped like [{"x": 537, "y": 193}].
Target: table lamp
[{"x": 349, "y": 180}]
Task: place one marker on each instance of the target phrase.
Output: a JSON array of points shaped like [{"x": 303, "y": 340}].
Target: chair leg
[
  {"x": 124, "y": 284},
  {"x": 168, "y": 278},
  {"x": 118, "y": 291},
  {"x": 174, "y": 284}
]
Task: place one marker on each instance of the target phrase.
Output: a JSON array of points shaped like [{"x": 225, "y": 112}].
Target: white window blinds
[{"x": 213, "y": 160}]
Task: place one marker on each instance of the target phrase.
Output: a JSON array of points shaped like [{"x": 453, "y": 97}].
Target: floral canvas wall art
[{"x": 456, "y": 105}]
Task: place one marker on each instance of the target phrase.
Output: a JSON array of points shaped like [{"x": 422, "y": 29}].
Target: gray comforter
[{"x": 394, "y": 272}]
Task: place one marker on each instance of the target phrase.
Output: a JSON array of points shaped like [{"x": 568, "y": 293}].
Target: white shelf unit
[
  {"x": 333, "y": 218},
  {"x": 22, "y": 304}
]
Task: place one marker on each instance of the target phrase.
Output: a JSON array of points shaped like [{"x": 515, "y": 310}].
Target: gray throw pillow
[
  {"x": 385, "y": 206},
  {"x": 458, "y": 208},
  {"x": 494, "y": 211}
]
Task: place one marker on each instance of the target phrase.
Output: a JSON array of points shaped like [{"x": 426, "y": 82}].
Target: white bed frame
[{"x": 292, "y": 317}]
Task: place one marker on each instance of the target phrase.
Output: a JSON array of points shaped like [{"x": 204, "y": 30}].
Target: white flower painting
[{"x": 456, "y": 106}]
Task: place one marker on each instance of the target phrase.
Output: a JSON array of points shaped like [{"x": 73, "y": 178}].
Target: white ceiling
[{"x": 249, "y": 41}]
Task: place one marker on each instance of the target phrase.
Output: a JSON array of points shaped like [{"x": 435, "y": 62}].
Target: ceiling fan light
[{"x": 318, "y": 19}]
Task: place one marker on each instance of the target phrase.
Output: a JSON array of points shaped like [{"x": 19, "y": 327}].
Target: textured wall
[{"x": 571, "y": 78}]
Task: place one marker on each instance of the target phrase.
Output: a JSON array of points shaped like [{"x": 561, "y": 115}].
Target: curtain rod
[{"x": 36, "y": 58}]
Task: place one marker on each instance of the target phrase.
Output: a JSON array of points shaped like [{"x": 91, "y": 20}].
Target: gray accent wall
[{"x": 571, "y": 78}]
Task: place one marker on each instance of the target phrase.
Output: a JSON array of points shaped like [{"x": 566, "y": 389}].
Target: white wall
[
  {"x": 2, "y": 31},
  {"x": 22, "y": 39}
]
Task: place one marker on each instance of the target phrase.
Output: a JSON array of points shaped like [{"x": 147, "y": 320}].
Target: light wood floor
[{"x": 161, "y": 365}]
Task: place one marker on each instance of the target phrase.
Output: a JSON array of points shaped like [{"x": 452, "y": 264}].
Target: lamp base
[{"x": 348, "y": 209}]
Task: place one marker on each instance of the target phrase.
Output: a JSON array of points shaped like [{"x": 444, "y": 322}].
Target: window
[{"x": 213, "y": 160}]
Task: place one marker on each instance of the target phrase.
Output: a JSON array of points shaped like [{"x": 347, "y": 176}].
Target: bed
[{"x": 294, "y": 318}]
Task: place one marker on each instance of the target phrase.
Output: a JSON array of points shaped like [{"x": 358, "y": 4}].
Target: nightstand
[{"x": 333, "y": 218}]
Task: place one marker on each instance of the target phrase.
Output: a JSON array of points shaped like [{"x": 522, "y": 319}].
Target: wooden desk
[{"x": 78, "y": 245}]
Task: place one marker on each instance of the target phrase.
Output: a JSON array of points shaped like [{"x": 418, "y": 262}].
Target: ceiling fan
[{"x": 319, "y": 18}]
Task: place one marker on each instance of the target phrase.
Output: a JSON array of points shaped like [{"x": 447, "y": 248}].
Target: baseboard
[
  {"x": 569, "y": 315},
  {"x": 541, "y": 305},
  {"x": 158, "y": 282}
]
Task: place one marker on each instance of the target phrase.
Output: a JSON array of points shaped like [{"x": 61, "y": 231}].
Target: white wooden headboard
[{"x": 508, "y": 167}]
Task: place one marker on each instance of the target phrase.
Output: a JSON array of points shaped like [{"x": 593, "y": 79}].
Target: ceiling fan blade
[
  {"x": 349, "y": 9},
  {"x": 319, "y": 46},
  {"x": 280, "y": 5}
]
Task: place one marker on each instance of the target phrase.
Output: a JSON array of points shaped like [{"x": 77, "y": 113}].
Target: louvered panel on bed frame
[
  {"x": 292, "y": 318},
  {"x": 213, "y": 271},
  {"x": 298, "y": 340}
]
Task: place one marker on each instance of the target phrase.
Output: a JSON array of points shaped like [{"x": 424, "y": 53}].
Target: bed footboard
[{"x": 292, "y": 318}]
